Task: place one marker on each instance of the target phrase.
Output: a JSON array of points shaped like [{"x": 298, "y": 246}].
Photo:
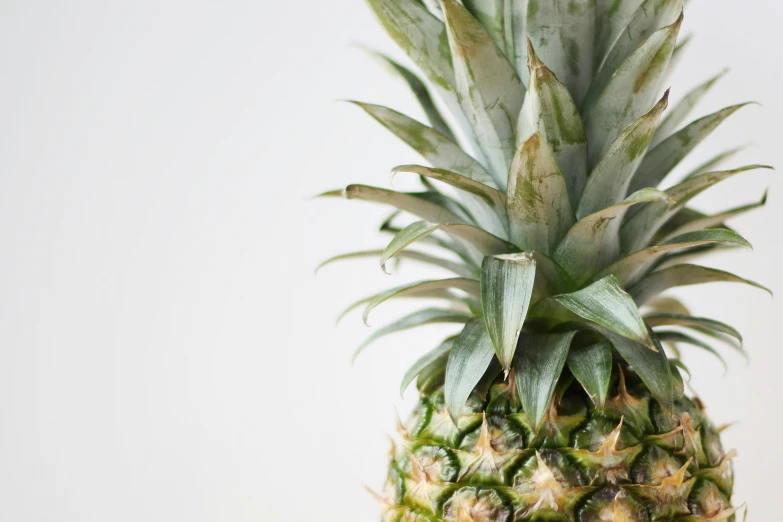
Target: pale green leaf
[
  {"x": 418, "y": 89},
  {"x": 485, "y": 204},
  {"x": 432, "y": 145},
  {"x": 688, "y": 321},
  {"x": 682, "y": 275},
  {"x": 538, "y": 365},
  {"x": 411, "y": 203},
  {"x": 484, "y": 242},
  {"x": 506, "y": 289},
  {"x": 614, "y": 16},
  {"x": 441, "y": 294},
  {"x": 495, "y": 16},
  {"x": 416, "y": 319},
  {"x": 678, "y": 338},
  {"x": 676, "y": 116},
  {"x": 671, "y": 151},
  {"x": 539, "y": 210},
  {"x": 422, "y": 363},
  {"x": 550, "y": 112},
  {"x": 457, "y": 268},
  {"x": 629, "y": 93},
  {"x": 639, "y": 230},
  {"x": 469, "y": 358},
  {"x": 630, "y": 268},
  {"x": 592, "y": 367},
  {"x": 651, "y": 16},
  {"x": 651, "y": 366},
  {"x": 489, "y": 90},
  {"x": 563, "y": 33},
  {"x": 606, "y": 304},
  {"x": 593, "y": 242},
  {"x": 608, "y": 183},
  {"x": 469, "y": 286},
  {"x": 714, "y": 162}
]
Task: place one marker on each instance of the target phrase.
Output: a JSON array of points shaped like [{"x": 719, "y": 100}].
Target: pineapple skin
[{"x": 630, "y": 462}]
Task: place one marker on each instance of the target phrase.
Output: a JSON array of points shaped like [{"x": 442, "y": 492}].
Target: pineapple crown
[{"x": 548, "y": 217}]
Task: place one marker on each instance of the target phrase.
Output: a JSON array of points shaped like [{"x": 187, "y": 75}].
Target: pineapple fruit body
[{"x": 627, "y": 462}]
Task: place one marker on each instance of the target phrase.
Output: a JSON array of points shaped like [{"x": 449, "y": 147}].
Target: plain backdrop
[{"x": 166, "y": 353}]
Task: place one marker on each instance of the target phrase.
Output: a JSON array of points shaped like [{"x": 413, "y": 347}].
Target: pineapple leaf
[
  {"x": 614, "y": 16},
  {"x": 485, "y": 204},
  {"x": 538, "y": 365},
  {"x": 683, "y": 275},
  {"x": 469, "y": 286},
  {"x": 496, "y": 19},
  {"x": 714, "y": 162},
  {"x": 460, "y": 270},
  {"x": 697, "y": 323},
  {"x": 419, "y": 318},
  {"x": 641, "y": 228},
  {"x": 593, "y": 243},
  {"x": 606, "y": 304},
  {"x": 651, "y": 16},
  {"x": 489, "y": 90},
  {"x": 563, "y": 32},
  {"x": 476, "y": 237},
  {"x": 676, "y": 116},
  {"x": 506, "y": 289},
  {"x": 539, "y": 209},
  {"x": 671, "y": 151},
  {"x": 629, "y": 93},
  {"x": 550, "y": 112},
  {"x": 678, "y": 338},
  {"x": 432, "y": 145},
  {"x": 592, "y": 367},
  {"x": 422, "y": 363},
  {"x": 651, "y": 366},
  {"x": 631, "y": 267},
  {"x": 608, "y": 183},
  {"x": 418, "y": 89},
  {"x": 408, "y": 202},
  {"x": 701, "y": 222},
  {"x": 469, "y": 358}
]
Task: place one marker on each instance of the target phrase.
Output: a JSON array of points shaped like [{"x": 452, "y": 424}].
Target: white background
[{"x": 166, "y": 353}]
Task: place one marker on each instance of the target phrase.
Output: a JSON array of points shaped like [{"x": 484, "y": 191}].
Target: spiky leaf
[
  {"x": 506, "y": 288},
  {"x": 457, "y": 268},
  {"x": 421, "y": 363},
  {"x": 411, "y": 203},
  {"x": 592, "y": 367},
  {"x": 539, "y": 363},
  {"x": 688, "y": 321},
  {"x": 469, "y": 286},
  {"x": 469, "y": 358}
]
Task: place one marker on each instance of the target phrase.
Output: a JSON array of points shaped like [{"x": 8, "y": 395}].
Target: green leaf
[
  {"x": 671, "y": 151},
  {"x": 606, "y": 304},
  {"x": 642, "y": 227},
  {"x": 629, "y": 93},
  {"x": 488, "y": 88},
  {"x": 682, "y": 275},
  {"x": 593, "y": 242},
  {"x": 630, "y": 268},
  {"x": 432, "y": 145},
  {"x": 651, "y": 366},
  {"x": 608, "y": 182},
  {"x": 614, "y": 16},
  {"x": 539, "y": 209},
  {"x": 550, "y": 112},
  {"x": 592, "y": 367},
  {"x": 411, "y": 203},
  {"x": 711, "y": 164},
  {"x": 460, "y": 270},
  {"x": 486, "y": 204},
  {"x": 419, "y": 318},
  {"x": 681, "y": 338},
  {"x": 495, "y": 16},
  {"x": 563, "y": 32},
  {"x": 419, "y": 90},
  {"x": 469, "y": 358},
  {"x": 714, "y": 221},
  {"x": 469, "y": 286},
  {"x": 651, "y": 16},
  {"x": 538, "y": 365},
  {"x": 506, "y": 288},
  {"x": 484, "y": 242},
  {"x": 697, "y": 323},
  {"x": 676, "y": 116},
  {"x": 423, "y": 38},
  {"x": 422, "y": 363}
]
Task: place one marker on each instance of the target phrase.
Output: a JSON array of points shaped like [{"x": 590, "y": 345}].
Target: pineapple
[{"x": 561, "y": 398}]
